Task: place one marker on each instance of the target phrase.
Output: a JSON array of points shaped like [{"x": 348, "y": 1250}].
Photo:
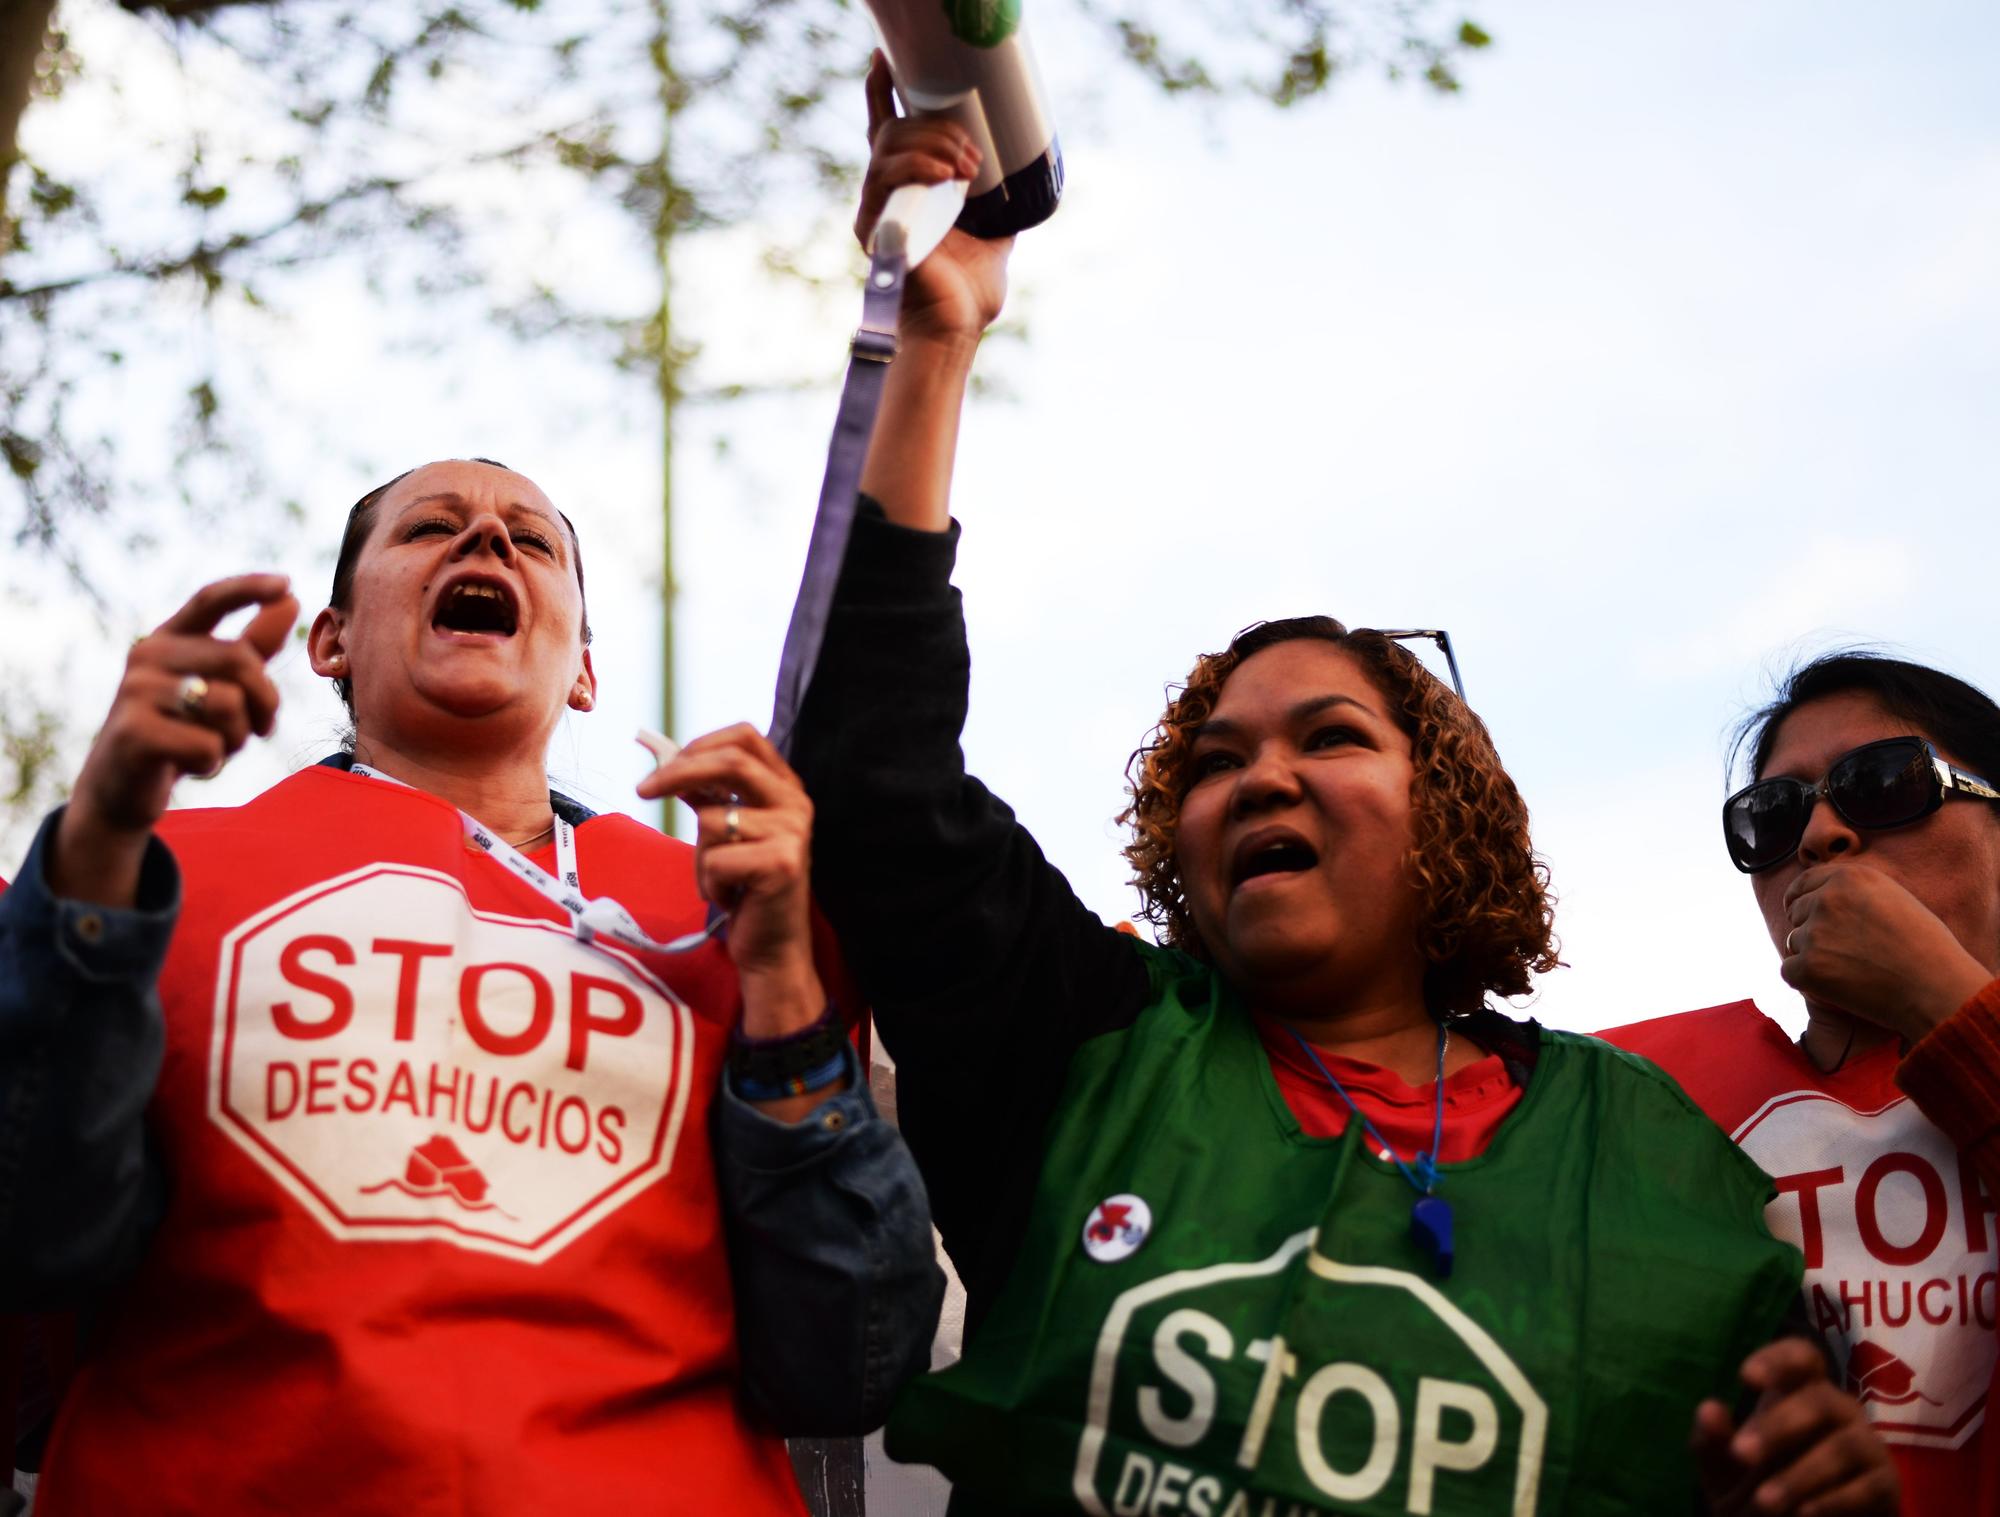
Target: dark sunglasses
[{"x": 1885, "y": 784}]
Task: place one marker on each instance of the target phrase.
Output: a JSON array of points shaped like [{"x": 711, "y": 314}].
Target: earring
[
  {"x": 337, "y": 662},
  {"x": 581, "y": 700}
]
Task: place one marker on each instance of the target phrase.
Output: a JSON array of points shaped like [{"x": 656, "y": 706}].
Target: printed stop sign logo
[
  {"x": 1899, "y": 1240},
  {"x": 410, "y": 1067},
  {"x": 1200, "y": 1405}
]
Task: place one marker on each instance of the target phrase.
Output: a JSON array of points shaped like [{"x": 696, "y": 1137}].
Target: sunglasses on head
[
  {"x": 1885, "y": 784},
  {"x": 1435, "y": 634}
]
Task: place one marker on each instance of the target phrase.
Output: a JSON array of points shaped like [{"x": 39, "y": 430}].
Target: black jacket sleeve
[{"x": 983, "y": 968}]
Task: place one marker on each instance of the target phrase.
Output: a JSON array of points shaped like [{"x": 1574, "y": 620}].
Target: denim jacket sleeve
[
  {"x": 831, "y": 1254},
  {"x": 81, "y": 1038}
]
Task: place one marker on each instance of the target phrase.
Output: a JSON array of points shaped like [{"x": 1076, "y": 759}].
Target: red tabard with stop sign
[
  {"x": 1901, "y": 1239},
  {"x": 442, "y": 1190}
]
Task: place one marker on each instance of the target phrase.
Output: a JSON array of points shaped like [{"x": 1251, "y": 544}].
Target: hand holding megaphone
[
  {"x": 957, "y": 291},
  {"x": 937, "y": 277}
]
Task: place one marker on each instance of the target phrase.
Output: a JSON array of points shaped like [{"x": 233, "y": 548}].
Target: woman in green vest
[{"x": 1278, "y": 1217}]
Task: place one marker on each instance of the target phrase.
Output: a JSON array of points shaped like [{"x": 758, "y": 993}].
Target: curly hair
[{"x": 1485, "y": 920}]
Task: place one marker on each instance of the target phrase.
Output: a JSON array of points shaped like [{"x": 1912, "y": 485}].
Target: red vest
[
  {"x": 1901, "y": 1241},
  {"x": 443, "y": 1236}
]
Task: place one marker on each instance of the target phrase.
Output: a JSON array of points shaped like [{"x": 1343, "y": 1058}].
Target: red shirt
[
  {"x": 1476, "y": 1099},
  {"x": 1901, "y": 1241},
  {"x": 443, "y": 1236}
]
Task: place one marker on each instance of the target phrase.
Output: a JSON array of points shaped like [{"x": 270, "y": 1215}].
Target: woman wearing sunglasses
[
  {"x": 1279, "y": 1217},
  {"x": 1871, "y": 836}
]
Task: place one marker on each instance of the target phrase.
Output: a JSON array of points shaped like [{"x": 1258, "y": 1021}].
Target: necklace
[
  {"x": 1430, "y": 1217},
  {"x": 1845, "y": 1048},
  {"x": 529, "y": 842}
]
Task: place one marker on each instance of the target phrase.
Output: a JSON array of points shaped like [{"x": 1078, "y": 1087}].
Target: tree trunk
[{"x": 23, "y": 25}]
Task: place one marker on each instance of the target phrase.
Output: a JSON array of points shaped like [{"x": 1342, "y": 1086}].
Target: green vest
[{"x": 1278, "y": 1345}]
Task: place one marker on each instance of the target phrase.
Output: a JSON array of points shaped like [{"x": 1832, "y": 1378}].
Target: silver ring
[
  {"x": 193, "y": 692},
  {"x": 1788, "y": 941},
  {"x": 732, "y": 825}
]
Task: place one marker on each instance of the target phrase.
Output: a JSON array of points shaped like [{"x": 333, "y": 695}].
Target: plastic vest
[
  {"x": 1901, "y": 1240},
  {"x": 1277, "y": 1345},
  {"x": 443, "y": 1236}
]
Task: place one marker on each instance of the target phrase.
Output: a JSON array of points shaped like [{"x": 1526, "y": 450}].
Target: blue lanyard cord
[{"x": 1424, "y": 1175}]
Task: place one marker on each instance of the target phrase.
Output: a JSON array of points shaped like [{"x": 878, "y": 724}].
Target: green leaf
[
  {"x": 1471, "y": 34},
  {"x": 23, "y": 454},
  {"x": 207, "y": 199},
  {"x": 378, "y": 82}
]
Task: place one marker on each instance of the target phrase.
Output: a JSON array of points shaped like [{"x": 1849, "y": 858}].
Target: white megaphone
[{"x": 968, "y": 60}]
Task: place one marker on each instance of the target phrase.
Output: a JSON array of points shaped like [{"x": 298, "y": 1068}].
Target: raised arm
[
  {"x": 952, "y": 297},
  {"x": 982, "y": 967},
  {"x": 83, "y": 933},
  {"x": 945, "y": 907}
]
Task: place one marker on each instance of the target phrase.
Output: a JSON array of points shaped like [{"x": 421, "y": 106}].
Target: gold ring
[
  {"x": 193, "y": 692},
  {"x": 732, "y": 825}
]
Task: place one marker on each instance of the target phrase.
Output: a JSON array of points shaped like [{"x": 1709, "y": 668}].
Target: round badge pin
[{"x": 1116, "y": 1227}]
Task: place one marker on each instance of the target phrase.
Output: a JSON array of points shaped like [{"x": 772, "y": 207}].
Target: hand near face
[
  {"x": 189, "y": 699},
  {"x": 956, "y": 292},
  {"x": 759, "y": 869},
  {"x": 1860, "y": 942},
  {"x": 1806, "y": 1448}
]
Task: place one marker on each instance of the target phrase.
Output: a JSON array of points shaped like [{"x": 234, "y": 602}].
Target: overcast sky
[{"x": 1667, "y": 352}]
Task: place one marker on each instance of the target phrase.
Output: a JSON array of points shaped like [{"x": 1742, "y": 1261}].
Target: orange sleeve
[{"x": 1953, "y": 1074}]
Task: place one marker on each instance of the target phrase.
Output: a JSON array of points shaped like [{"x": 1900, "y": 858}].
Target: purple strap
[{"x": 854, "y": 424}]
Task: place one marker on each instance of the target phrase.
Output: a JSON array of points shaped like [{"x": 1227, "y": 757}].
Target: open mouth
[
  {"x": 1268, "y": 853},
  {"x": 477, "y": 606}
]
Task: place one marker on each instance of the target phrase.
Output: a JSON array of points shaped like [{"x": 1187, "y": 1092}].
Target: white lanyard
[{"x": 589, "y": 919}]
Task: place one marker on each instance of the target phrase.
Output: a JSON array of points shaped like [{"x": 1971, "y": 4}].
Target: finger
[
  {"x": 881, "y": 94},
  {"x": 763, "y": 868},
  {"x": 887, "y": 175},
  {"x": 1789, "y": 1427},
  {"x": 1715, "y": 1467},
  {"x": 721, "y": 737},
  {"x": 702, "y": 777},
  {"x": 1809, "y": 881},
  {"x": 1835, "y": 1459},
  {"x": 1783, "y": 1365},
  {"x": 1776, "y": 1371},
  {"x": 211, "y": 603},
  {"x": 712, "y": 829},
  {"x": 937, "y": 139},
  {"x": 220, "y": 708},
  {"x": 147, "y": 738},
  {"x": 267, "y": 631},
  {"x": 218, "y": 662},
  {"x": 752, "y": 740}
]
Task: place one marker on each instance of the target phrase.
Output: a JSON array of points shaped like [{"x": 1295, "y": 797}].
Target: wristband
[
  {"x": 829, "y": 1073},
  {"x": 775, "y": 1063}
]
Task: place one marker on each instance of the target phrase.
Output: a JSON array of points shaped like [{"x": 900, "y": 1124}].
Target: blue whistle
[{"x": 1430, "y": 1229}]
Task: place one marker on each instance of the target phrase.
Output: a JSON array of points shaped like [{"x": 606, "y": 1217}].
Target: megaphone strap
[{"x": 854, "y": 424}]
